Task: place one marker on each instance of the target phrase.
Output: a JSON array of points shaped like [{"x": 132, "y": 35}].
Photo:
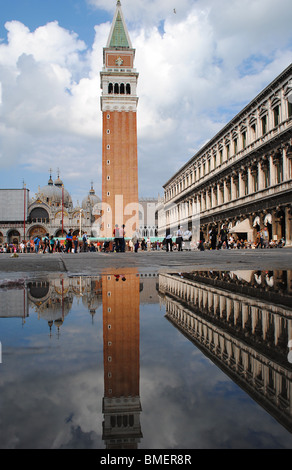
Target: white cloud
[{"x": 197, "y": 68}]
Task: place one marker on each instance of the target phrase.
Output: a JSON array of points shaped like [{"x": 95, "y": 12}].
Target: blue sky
[
  {"x": 208, "y": 61},
  {"x": 74, "y": 15}
]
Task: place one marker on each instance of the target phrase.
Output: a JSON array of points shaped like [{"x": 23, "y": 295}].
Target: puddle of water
[{"x": 124, "y": 360}]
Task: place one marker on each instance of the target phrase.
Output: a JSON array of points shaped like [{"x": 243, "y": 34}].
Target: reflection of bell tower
[
  {"x": 119, "y": 136},
  {"x": 121, "y": 332}
]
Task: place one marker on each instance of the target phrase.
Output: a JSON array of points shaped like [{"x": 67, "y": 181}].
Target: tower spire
[{"x": 119, "y": 36}]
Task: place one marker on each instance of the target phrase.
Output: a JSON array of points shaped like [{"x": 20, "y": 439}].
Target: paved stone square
[{"x": 154, "y": 261}]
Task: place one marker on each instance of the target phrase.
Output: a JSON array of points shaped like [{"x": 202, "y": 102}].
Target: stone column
[
  {"x": 272, "y": 172},
  {"x": 241, "y": 184},
  {"x": 213, "y": 198},
  {"x": 285, "y": 164},
  {"x": 249, "y": 181},
  {"x": 261, "y": 176},
  {"x": 233, "y": 187},
  {"x": 219, "y": 195},
  {"x": 288, "y": 218}
]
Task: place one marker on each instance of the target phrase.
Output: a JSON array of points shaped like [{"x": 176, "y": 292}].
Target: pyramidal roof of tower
[{"x": 119, "y": 36}]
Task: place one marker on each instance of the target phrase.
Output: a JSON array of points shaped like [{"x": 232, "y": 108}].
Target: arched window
[
  {"x": 110, "y": 88},
  {"x": 117, "y": 90},
  {"x": 39, "y": 215},
  {"x": 122, "y": 89},
  {"x": 128, "y": 89}
]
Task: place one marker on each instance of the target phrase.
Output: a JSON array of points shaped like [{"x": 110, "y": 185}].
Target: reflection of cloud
[
  {"x": 81, "y": 440},
  {"x": 34, "y": 413},
  {"x": 191, "y": 403},
  {"x": 48, "y": 380},
  {"x": 52, "y": 390},
  {"x": 199, "y": 412}
]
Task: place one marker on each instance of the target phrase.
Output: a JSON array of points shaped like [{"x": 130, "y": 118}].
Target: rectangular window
[
  {"x": 253, "y": 128},
  {"x": 216, "y": 197},
  {"x": 246, "y": 186},
  {"x": 276, "y": 116},
  {"x": 229, "y": 192},
  {"x": 243, "y": 140},
  {"x": 235, "y": 146},
  {"x": 266, "y": 178},
  {"x": 221, "y": 157},
  {"x": 227, "y": 151},
  {"x": 289, "y": 109},
  {"x": 289, "y": 168},
  {"x": 237, "y": 189},
  {"x": 255, "y": 182},
  {"x": 279, "y": 172},
  {"x": 264, "y": 125}
]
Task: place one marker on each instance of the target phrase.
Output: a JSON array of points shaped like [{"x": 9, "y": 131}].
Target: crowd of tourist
[
  {"x": 225, "y": 240},
  {"x": 180, "y": 242}
]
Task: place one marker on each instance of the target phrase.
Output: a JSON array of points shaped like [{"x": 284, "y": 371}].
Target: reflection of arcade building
[
  {"x": 51, "y": 211},
  {"x": 243, "y": 325}
]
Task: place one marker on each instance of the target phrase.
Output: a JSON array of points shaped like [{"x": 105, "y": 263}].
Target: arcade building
[{"x": 242, "y": 178}]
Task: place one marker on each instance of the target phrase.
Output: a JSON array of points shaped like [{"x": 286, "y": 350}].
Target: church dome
[
  {"x": 58, "y": 182},
  {"x": 52, "y": 193},
  {"x": 90, "y": 199}
]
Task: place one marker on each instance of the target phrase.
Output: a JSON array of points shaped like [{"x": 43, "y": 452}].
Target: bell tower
[{"x": 119, "y": 133}]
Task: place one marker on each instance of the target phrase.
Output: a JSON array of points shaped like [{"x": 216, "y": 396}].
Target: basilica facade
[
  {"x": 242, "y": 178},
  {"x": 51, "y": 211}
]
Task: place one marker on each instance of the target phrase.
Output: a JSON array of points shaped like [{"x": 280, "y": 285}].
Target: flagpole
[
  {"x": 62, "y": 210},
  {"x": 24, "y": 211}
]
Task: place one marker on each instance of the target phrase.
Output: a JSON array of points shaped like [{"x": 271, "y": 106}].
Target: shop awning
[{"x": 242, "y": 227}]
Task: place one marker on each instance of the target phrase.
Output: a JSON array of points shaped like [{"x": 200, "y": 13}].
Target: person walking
[
  {"x": 223, "y": 236},
  {"x": 36, "y": 244},
  {"x": 179, "y": 239},
  {"x": 135, "y": 240},
  {"x": 75, "y": 242},
  {"x": 69, "y": 240},
  {"x": 148, "y": 243},
  {"x": 116, "y": 234},
  {"x": 213, "y": 238},
  {"x": 46, "y": 243},
  {"x": 85, "y": 242},
  {"x": 52, "y": 244},
  {"x": 168, "y": 242},
  {"x": 202, "y": 241},
  {"x": 122, "y": 234}
]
